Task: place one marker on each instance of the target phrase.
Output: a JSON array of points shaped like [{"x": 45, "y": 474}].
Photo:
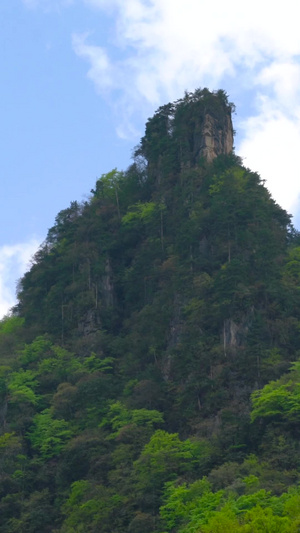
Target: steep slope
[{"x": 150, "y": 315}]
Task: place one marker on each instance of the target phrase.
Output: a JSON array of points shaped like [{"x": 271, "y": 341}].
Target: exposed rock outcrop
[
  {"x": 216, "y": 138},
  {"x": 234, "y": 334}
]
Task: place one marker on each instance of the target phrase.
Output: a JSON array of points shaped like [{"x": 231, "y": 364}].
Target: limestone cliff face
[{"x": 215, "y": 137}]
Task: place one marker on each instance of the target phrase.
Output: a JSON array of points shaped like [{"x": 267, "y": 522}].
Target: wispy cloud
[
  {"x": 101, "y": 70},
  {"x": 14, "y": 261}
]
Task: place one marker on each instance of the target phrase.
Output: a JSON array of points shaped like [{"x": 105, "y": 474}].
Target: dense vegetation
[{"x": 149, "y": 375}]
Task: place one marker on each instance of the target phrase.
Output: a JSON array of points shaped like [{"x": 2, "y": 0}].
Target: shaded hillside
[{"x": 150, "y": 315}]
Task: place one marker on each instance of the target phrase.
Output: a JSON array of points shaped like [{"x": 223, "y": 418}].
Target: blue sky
[{"x": 79, "y": 78}]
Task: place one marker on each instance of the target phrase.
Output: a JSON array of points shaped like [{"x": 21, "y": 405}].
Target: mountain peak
[{"x": 180, "y": 134}]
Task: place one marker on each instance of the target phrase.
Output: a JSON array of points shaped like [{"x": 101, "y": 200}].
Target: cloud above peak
[{"x": 168, "y": 46}]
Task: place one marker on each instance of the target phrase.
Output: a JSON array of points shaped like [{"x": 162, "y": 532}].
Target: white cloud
[
  {"x": 14, "y": 261},
  {"x": 270, "y": 146},
  {"x": 169, "y": 46},
  {"x": 272, "y": 137},
  {"x": 202, "y": 38},
  {"x": 283, "y": 78}
]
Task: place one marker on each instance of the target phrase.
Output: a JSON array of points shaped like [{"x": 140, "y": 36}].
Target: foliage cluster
[{"x": 149, "y": 375}]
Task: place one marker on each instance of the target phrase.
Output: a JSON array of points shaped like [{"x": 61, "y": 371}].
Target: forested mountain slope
[{"x": 149, "y": 377}]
